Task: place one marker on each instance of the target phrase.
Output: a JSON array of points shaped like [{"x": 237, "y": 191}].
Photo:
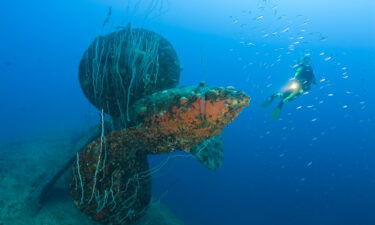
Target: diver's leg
[
  {"x": 276, "y": 112},
  {"x": 270, "y": 99},
  {"x": 291, "y": 97}
]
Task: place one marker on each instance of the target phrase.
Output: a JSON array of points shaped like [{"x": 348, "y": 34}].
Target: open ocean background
[{"x": 315, "y": 165}]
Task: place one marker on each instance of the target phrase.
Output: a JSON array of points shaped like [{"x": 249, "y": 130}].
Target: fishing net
[{"x": 119, "y": 68}]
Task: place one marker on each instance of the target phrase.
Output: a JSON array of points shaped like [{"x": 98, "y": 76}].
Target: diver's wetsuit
[
  {"x": 303, "y": 80},
  {"x": 305, "y": 76}
]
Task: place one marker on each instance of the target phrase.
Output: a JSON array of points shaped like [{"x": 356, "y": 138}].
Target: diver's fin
[
  {"x": 269, "y": 100},
  {"x": 266, "y": 103},
  {"x": 276, "y": 113}
]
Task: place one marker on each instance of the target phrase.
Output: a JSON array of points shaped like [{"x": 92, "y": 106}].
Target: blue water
[{"x": 315, "y": 165}]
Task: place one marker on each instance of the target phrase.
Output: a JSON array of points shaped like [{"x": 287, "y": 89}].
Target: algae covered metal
[
  {"x": 131, "y": 75},
  {"x": 111, "y": 179},
  {"x": 121, "y": 67}
]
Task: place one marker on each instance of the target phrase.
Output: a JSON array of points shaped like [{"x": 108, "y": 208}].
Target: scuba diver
[{"x": 302, "y": 81}]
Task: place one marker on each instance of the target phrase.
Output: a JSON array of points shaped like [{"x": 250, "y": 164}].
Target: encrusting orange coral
[{"x": 111, "y": 179}]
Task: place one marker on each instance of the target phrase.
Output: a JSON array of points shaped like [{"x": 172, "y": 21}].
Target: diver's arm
[{"x": 298, "y": 72}]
